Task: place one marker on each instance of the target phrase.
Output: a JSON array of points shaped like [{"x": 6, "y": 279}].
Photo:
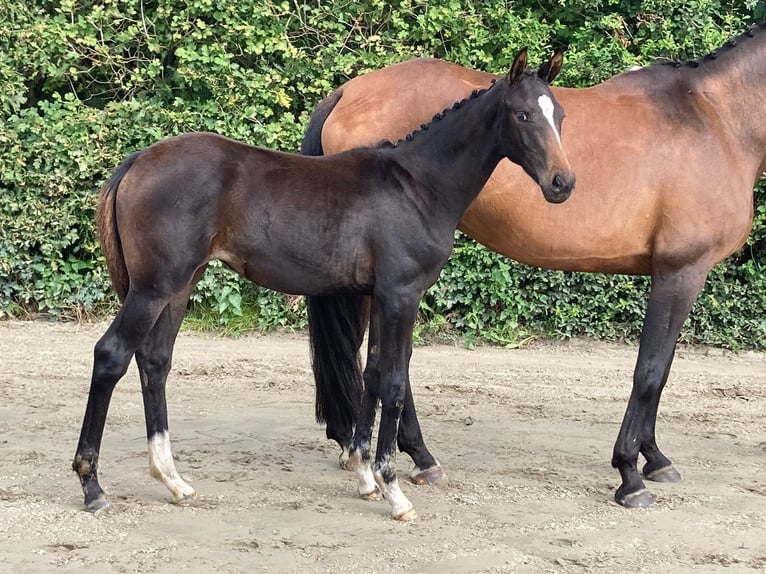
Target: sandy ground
[{"x": 525, "y": 437}]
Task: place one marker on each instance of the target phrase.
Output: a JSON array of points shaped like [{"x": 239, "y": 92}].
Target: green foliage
[{"x": 85, "y": 83}]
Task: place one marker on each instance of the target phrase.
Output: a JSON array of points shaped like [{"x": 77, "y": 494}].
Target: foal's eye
[{"x": 522, "y": 116}]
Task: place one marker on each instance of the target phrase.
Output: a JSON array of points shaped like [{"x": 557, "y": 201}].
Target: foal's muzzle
[{"x": 560, "y": 187}]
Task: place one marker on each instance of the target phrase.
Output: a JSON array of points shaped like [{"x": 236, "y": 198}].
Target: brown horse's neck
[
  {"x": 457, "y": 152},
  {"x": 733, "y": 79}
]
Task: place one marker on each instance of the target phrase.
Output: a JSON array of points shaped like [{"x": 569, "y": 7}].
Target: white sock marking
[
  {"x": 162, "y": 467},
  {"x": 392, "y": 492},
  {"x": 367, "y": 486},
  {"x": 546, "y": 105}
]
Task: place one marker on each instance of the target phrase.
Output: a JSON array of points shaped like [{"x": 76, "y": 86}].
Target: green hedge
[{"x": 85, "y": 83}]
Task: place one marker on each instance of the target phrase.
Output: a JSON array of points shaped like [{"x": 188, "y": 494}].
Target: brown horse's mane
[
  {"x": 437, "y": 117},
  {"x": 749, "y": 32}
]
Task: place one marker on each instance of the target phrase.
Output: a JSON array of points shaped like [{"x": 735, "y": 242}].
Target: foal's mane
[
  {"x": 749, "y": 32},
  {"x": 438, "y": 117}
]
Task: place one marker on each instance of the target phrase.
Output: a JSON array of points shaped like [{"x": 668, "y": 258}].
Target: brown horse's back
[
  {"x": 650, "y": 185},
  {"x": 403, "y": 97}
]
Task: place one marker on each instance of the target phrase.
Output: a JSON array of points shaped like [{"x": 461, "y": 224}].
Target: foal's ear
[
  {"x": 519, "y": 65},
  {"x": 550, "y": 70}
]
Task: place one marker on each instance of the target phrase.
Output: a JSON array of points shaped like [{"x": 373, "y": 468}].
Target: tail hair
[
  {"x": 106, "y": 224},
  {"x": 336, "y": 330},
  {"x": 312, "y": 139}
]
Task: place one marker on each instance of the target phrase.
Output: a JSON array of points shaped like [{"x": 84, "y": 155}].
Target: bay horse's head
[{"x": 532, "y": 126}]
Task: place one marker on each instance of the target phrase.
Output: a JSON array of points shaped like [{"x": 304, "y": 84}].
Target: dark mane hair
[
  {"x": 749, "y": 32},
  {"x": 437, "y": 117}
]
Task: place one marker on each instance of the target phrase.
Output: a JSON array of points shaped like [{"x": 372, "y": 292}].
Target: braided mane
[
  {"x": 438, "y": 117},
  {"x": 750, "y": 32}
]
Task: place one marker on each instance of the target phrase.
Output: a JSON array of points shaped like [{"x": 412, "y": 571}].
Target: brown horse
[
  {"x": 376, "y": 222},
  {"x": 666, "y": 158}
]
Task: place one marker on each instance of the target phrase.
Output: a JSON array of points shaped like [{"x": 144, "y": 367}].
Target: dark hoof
[
  {"x": 433, "y": 476},
  {"x": 667, "y": 474},
  {"x": 638, "y": 499},
  {"x": 97, "y": 505}
]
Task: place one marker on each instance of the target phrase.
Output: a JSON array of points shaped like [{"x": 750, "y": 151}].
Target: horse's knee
[
  {"x": 648, "y": 379},
  {"x": 109, "y": 362},
  {"x": 155, "y": 365},
  {"x": 392, "y": 396}
]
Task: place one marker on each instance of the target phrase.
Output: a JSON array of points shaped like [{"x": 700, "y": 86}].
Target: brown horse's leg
[
  {"x": 410, "y": 440},
  {"x": 112, "y": 356},
  {"x": 673, "y": 293},
  {"x": 154, "y": 360},
  {"x": 360, "y": 452}
]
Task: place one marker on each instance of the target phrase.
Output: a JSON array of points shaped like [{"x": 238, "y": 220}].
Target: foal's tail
[
  {"x": 106, "y": 223},
  {"x": 336, "y": 330},
  {"x": 312, "y": 139}
]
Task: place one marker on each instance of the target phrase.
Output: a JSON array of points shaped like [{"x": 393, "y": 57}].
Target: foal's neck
[{"x": 457, "y": 152}]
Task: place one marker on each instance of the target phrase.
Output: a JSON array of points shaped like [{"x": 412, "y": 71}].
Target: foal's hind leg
[
  {"x": 154, "y": 360},
  {"x": 672, "y": 295},
  {"x": 111, "y": 356}
]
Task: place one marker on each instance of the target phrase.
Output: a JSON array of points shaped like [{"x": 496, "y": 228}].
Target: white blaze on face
[{"x": 546, "y": 105}]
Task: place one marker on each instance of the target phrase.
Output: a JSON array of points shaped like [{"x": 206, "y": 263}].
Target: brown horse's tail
[
  {"x": 312, "y": 139},
  {"x": 336, "y": 331},
  {"x": 109, "y": 236},
  {"x": 336, "y": 327}
]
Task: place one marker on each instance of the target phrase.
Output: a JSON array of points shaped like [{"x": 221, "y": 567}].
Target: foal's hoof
[
  {"x": 433, "y": 476},
  {"x": 638, "y": 499},
  {"x": 407, "y": 515},
  {"x": 371, "y": 496},
  {"x": 667, "y": 474},
  {"x": 97, "y": 505},
  {"x": 186, "y": 499}
]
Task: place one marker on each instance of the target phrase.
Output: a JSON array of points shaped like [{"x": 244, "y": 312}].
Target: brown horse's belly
[{"x": 589, "y": 232}]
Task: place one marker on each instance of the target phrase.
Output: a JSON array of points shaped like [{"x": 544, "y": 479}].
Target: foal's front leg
[{"x": 397, "y": 319}]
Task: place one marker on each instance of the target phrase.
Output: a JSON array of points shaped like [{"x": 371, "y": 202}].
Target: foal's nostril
[
  {"x": 561, "y": 187},
  {"x": 558, "y": 183}
]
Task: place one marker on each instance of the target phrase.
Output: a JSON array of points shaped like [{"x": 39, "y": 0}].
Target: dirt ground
[{"x": 525, "y": 437}]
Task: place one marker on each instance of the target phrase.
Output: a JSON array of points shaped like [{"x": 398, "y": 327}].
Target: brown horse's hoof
[
  {"x": 667, "y": 474},
  {"x": 638, "y": 499},
  {"x": 407, "y": 515},
  {"x": 433, "y": 476}
]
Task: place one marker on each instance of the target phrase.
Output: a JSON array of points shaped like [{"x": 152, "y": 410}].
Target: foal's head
[{"x": 532, "y": 127}]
